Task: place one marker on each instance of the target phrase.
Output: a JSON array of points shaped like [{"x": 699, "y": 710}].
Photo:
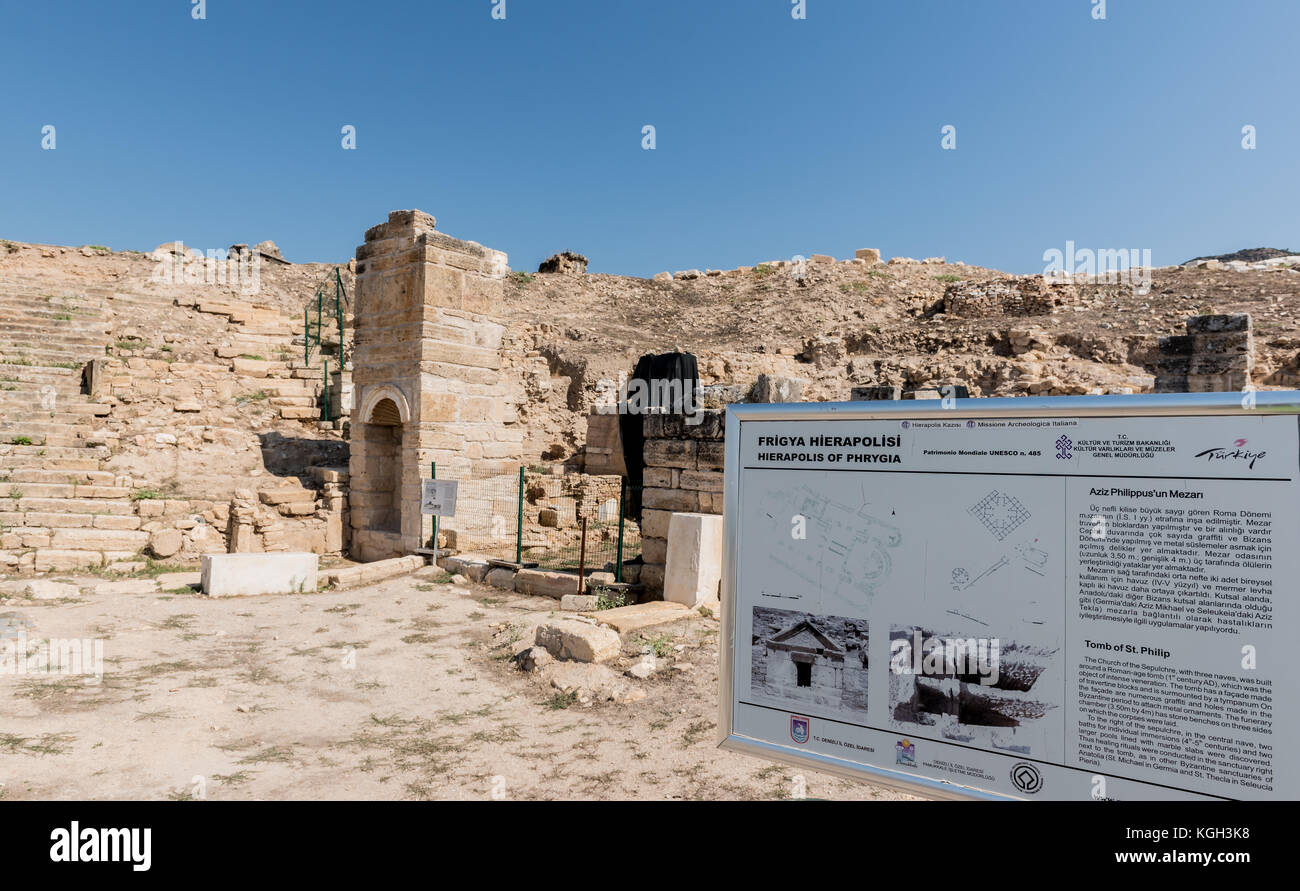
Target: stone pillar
[
  {"x": 426, "y": 374},
  {"x": 1216, "y": 355},
  {"x": 694, "y": 562},
  {"x": 683, "y": 474}
]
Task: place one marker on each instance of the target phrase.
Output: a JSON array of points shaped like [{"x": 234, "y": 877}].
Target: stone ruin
[
  {"x": 1030, "y": 295},
  {"x": 565, "y": 263},
  {"x": 427, "y": 376},
  {"x": 1216, "y": 355}
]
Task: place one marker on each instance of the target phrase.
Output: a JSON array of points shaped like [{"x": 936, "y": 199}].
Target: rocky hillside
[{"x": 858, "y": 322}]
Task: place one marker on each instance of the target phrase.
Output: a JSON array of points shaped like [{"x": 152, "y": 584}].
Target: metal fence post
[
  {"x": 582, "y": 554},
  {"x": 327, "y": 389},
  {"x": 519, "y": 521},
  {"x": 338, "y": 309},
  {"x": 433, "y": 474},
  {"x": 622, "y": 500},
  {"x": 306, "y": 336}
]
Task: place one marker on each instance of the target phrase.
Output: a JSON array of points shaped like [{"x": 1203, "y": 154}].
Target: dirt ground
[{"x": 400, "y": 690}]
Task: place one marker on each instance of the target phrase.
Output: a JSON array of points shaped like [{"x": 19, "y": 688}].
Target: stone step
[
  {"x": 91, "y": 506},
  {"x": 39, "y": 308},
  {"x": 8, "y": 428},
  {"x": 38, "y": 373},
  {"x": 42, "y": 439},
  {"x": 300, "y": 413},
  {"x": 66, "y": 490},
  {"x": 29, "y": 326},
  {"x": 66, "y": 402},
  {"x": 25, "y": 393},
  {"x": 16, "y": 455},
  {"x": 35, "y": 520},
  {"x": 85, "y": 476},
  {"x": 70, "y": 359}
]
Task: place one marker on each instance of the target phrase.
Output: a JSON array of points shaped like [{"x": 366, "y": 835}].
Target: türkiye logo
[
  {"x": 1238, "y": 452},
  {"x": 799, "y": 729},
  {"x": 1027, "y": 778}
]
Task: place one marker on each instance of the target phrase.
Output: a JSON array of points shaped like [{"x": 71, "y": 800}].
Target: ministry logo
[{"x": 1064, "y": 445}]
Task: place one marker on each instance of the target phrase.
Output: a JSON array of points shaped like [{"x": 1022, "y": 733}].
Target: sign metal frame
[{"x": 1273, "y": 402}]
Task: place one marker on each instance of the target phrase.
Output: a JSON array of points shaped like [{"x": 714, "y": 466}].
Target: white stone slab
[
  {"x": 694, "y": 563},
  {"x": 247, "y": 575}
]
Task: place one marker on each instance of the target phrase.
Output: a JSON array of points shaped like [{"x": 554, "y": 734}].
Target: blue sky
[{"x": 775, "y": 136}]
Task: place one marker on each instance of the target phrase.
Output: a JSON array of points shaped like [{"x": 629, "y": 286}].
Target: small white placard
[{"x": 438, "y": 498}]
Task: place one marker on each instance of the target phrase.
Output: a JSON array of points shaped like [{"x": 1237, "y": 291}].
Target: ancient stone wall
[
  {"x": 683, "y": 474},
  {"x": 1029, "y": 295},
  {"x": 1216, "y": 355},
  {"x": 427, "y": 376}
]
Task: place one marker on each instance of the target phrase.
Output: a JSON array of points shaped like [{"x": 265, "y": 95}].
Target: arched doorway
[{"x": 376, "y": 486}]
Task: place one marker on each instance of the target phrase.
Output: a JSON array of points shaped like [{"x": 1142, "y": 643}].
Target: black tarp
[{"x": 653, "y": 372}]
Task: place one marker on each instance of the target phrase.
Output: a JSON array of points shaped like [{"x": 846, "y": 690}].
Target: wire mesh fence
[{"x": 545, "y": 515}]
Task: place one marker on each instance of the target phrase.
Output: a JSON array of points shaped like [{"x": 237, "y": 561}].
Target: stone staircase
[
  {"x": 59, "y": 509},
  {"x": 171, "y": 350}
]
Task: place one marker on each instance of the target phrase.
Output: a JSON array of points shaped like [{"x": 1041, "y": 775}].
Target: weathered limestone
[
  {"x": 694, "y": 562},
  {"x": 683, "y": 474},
  {"x": 624, "y": 619},
  {"x": 564, "y": 263},
  {"x": 1028, "y": 295},
  {"x": 772, "y": 388},
  {"x": 578, "y": 641},
  {"x": 545, "y": 583},
  {"x": 1216, "y": 355},
  {"x": 246, "y": 575},
  {"x": 352, "y": 576},
  {"x": 426, "y": 373}
]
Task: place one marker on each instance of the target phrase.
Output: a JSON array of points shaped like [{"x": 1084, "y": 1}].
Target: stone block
[
  {"x": 48, "y": 560},
  {"x": 870, "y": 255},
  {"x": 654, "y": 550},
  {"x": 654, "y": 523},
  {"x": 166, "y": 542},
  {"x": 770, "y": 388},
  {"x": 545, "y": 583},
  {"x": 675, "y": 500},
  {"x": 693, "y": 569},
  {"x": 578, "y": 641},
  {"x": 711, "y": 455},
  {"x": 501, "y": 577},
  {"x": 244, "y": 575},
  {"x": 625, "y": 619},
  {"x": 702, "y": 481},
  {"x": 1218, "y": 323},
  {"x": 876, "y": 393},
  {"x": 579, "y": 602},
  {"x": 98, "y": 539},
  {"x": 671, "y": 453}
]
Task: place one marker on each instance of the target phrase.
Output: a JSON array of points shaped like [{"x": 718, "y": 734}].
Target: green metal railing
[{"x": 329, "y": 300}]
